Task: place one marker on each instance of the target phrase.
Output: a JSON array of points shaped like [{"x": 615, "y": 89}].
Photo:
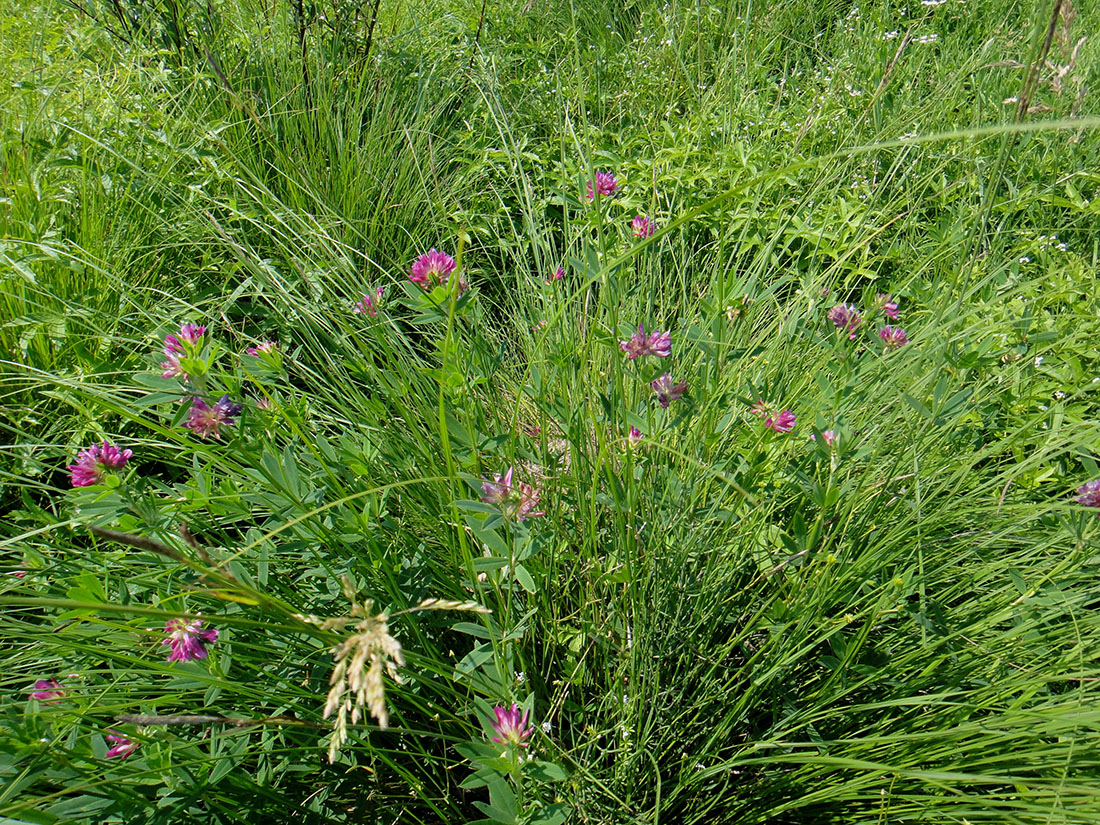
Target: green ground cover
[{"x": 478, "y": 488}]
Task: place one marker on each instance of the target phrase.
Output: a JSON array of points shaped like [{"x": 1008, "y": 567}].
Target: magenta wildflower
[
  {"x": 122, "y": 747},
  {"x": 559, "y": 273},
  {"x": 643, "y": 227},
  {"x": 188, "y": 639},
  {"x": 511, "y": 727},
  {"x": 781, "y": 422},
  {"x": 369, "y": 305},
  {"x": 205, "y": 420},
  {"x": 19, "y": 574},
  {"x": 1088, "y": 494},
  {"x": 192, "y": 333},
  {"x": 263, "y": 348},
  {"x": 92, "y": 461},
  {"x": 635, "y": 437},
  {"x": 515, "y": 500},
  {"x": 656, "y": 343},
  {"x": 829, "y": 437},
  {"x": 887, "y": 306},
  {"x": 174, "y": 347},
  {"x": 47, "y": 690},
  {"x": 893, "y": 337},
  {"x": 606, "y": 185},
  {"x": 667, "y": 392},
  {"x": 846, "y": 317},
  {"x": 433, "y": 268}
]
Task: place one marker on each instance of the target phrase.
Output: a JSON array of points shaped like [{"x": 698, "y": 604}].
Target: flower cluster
[
  {"x": 368, "y": 304},
  {"x": 122, "y": 746},
  {"x": 1088, "y": 494},
  {"x": 47, "y": 690},
  {"x": 893, "y": 337},
  {"x": 643, "y": 227},
  {"x": 668, "y": 391},
  {"x": 186, "y": 343},
  {"x": 606, "y": 186},
  {"x": 434, "y": 268},
  {"x": 846, "y": 317},
  {"x": 511, "y": 726},
  {"x": 264, "y": 348},
  {"x": 639, "y": 344},
  {"x": 779, "y": 421},
  {"x": 515, "y": 499},
  {"x": 92, "y": 461},
  {"x": 206, "y": 420},
  {"x": 188, "y": 639}
]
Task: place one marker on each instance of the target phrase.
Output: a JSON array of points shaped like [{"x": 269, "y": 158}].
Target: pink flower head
[
  {"x": 656, "y": 343},
  {"x": 559, "y": 273},
  {"x": 264, "y": 348},
  {"x": 635, "y": 437},
  {"x": 1088, "y": 494},
  {"x": 19, "y": 574},
  {"x": 434, "y": 268},
  {"x": 92, "y": 461},
  {"x": 511, "y": 727},
  {"x": 606, "y": 185},
  {"x": 191, "y": 333},
  {"x": 47, "y": 690},
  {"x": 667, "y": 392},
  {"x": 781, "y": 422},
  {"x": 205, "y": 420},
  {"x": 829, "y": 437},
  {"x": 369, "y": 305},
  {"x": 188, "y": 639},
  {"x": 122, "y": 747},
  {"x": 887, "y": 306},
  {"x": 264, "y": 404},
  {"x": 893, "y": 337},
  {"x": 643, "y": 227},
  {"x": 846, "y": 317},
  {"x": 515, "y": 500}
]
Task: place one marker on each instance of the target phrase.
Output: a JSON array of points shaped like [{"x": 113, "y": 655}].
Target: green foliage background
[{"x": 720, "y": 625}]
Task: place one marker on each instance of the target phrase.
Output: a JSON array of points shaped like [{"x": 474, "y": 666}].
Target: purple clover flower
[
  {"x": 511, "y": 727},
  {"x": 642, "y": 226},
  {"x": 606, "y": 186},
  {"x": 92, "y": 461},
  {"x": 515, "y": 499},
  {"x": 780, "y": 422},
  {"x": 122, "y": 747},
  {"x": 434, "y": 268},
  {"x": 205, "y": 420},
  {"x": 635, "y": 437},
  {"x": 47, "y": 690},
  {"x": 893, "y": 337},
  {"x": 887, "y": 306},
  {"x": 559, "y": 273},
  {"x": 667, "y": 391},
  {"x": 368, "y": 304},
  {"x": 188, "y": 639},
  {"x": 1088, "y": 494},
  {"x": 656, "y": 343},
  {"x": 847, "y": 318},
  {"x": 264, "y": 348}
]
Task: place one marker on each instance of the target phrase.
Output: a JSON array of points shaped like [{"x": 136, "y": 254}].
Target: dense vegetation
[{"x": 817, "y": 555}]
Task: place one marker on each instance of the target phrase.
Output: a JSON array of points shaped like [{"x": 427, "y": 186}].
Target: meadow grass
[{"x": 708, "y": 620}]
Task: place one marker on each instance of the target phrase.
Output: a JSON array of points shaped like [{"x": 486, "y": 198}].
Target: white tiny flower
[{"x": 546, "y": 726}]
